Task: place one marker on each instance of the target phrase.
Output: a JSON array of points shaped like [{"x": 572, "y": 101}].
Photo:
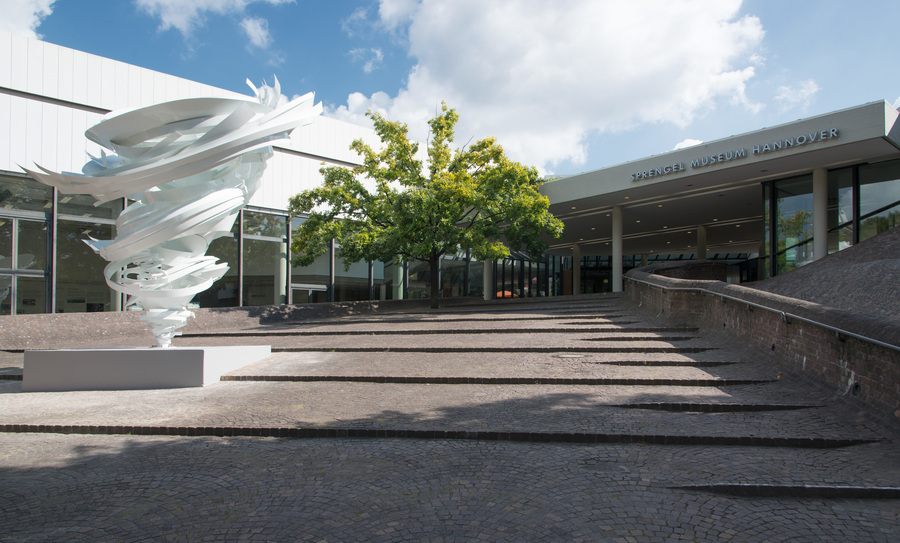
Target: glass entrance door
[{"x": 23, "y": 262}]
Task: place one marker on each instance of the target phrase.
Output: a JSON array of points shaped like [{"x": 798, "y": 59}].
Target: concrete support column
[
  {"x": 701, "y": 242},
  {"x": 371, "y": 279},
  {"x": 331, "y": 249},
  {"x": 643, "y": 259},
  {"x": 616, "y": 249},
  {"x": 487, "y": 279},
  {"x": 820, "y": 213},
  {"x": 281, "y": 277},
  {"x": 576, "y": 269},
  {"x": 397, "y": 289}
]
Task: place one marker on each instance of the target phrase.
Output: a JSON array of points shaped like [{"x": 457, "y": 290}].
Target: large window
[
  {"x": 840, "y": 209},
  {"x": 24, "y": 210},
  {"x": 879, "y": 198},
  {"x": 789, "y": 224},
  {"x": 80, "y": 283},
  {"x": 224, "y": 292},
  {"x": 264, "y": 258},
  {"x": 23, "y": 261},
  {"x": 862, "y": 201}
]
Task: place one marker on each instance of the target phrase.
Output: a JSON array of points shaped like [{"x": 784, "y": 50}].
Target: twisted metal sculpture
[{"x": 189, "y": 166}]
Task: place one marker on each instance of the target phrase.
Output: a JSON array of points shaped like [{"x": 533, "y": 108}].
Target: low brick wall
[{"x": 855, "y": 367}]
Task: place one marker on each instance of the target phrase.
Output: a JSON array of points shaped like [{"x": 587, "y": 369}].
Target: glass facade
[
  {"x": 45, "y": 266},
  {"x": 879, "y": 198},
  {"x": 25, "y": 223},
  {"x": 264, "y": 258},
  {"x": 862, "y": 201},
  {"x": 80, "y": 284},
  {"x": 224, "y": 292}
]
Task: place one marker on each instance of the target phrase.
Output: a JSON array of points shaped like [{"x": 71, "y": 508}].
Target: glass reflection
[
  {"x": 80, "y": 283},
  {"x": 264, "y": 272},
  {"x": 6, "y": 226},
  {"x": 32, "y": 245},
  {"x": 24, "y": 194},
  {"x": 30, "y": 295},
  {"x": 265, "y": 224},
  {"x": 224, "y": 292},
  {"x": 5, "y": 292}
]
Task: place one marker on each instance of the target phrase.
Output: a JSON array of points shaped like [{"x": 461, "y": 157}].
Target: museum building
[{"x": 764, "y": 202}]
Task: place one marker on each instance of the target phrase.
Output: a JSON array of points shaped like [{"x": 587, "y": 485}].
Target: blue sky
[{"x": 565, "y": 85}]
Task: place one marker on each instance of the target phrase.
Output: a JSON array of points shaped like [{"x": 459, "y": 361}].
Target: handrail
[{"x": 786, "y": 317}]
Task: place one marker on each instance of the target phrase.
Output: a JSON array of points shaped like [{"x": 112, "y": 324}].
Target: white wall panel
[
  {"x": 6, "y": 132},
  {"x": 286, "y": 176},
  {"x": 65, "y": 142},
  {"x": 5, "y": 59},
  {"x": 80, "y": 77},
  {"x": 121, "y": 100},
  {"x": 17, "y": 124},
  {"x": 49, "y": 136},
  {"x": 108, "y": 83},
  {"x": 65, "y": 87},
  {"x": 19, "y": 71},
  {"x": 77, "y": 141},
  {"x": 171, "y": 89},
  {"x": 184, "y": 89},
  {"x": 93, "y": 75},
  {"x": 82, "y": 145},
  {"x": 33, "y": 132},
  {"x": 50, "y": 77},
  {"x": 140, "y": 87},
  {"x": 35, "y": 68},
  {"x": 159, "y": 88}
]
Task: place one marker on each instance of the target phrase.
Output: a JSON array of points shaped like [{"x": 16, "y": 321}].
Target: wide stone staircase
[
  {"x": 585, "y": 370},
  {"x": 679, "y": 411}
]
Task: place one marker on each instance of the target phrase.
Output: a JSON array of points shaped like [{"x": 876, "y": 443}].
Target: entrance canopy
[{"x": 664, "y": 198}]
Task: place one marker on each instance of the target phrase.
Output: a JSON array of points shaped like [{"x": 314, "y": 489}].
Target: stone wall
[{"x": 854, "y": 367}]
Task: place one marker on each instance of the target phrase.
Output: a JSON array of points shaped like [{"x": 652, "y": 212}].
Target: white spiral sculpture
[{"x": 189, "y": 166}]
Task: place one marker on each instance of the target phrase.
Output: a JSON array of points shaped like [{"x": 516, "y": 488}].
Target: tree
[{"x": 472, "y": 198}]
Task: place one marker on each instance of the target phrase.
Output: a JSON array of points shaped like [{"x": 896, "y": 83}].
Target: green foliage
[{"x": 471, "y": 198}]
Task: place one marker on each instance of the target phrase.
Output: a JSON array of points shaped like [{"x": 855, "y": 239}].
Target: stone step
[
  {"x": 639, "y": 349},
  {"x": 584, "y": 381},
  {"x": 479, "y": 435},
  {"x": 458, "y": 331},
  {"x": 661, "y": 363},
  {"x": 752, "y": 490},
  {"x": 707, "y": 407},
  {"x": 425, "y": 320}
]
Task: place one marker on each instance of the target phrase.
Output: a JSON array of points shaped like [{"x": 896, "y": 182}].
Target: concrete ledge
[{"x": 133, "y": 368}]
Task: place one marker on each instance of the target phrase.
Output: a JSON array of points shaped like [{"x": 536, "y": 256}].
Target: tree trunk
[{"x": 434, "y": 263}]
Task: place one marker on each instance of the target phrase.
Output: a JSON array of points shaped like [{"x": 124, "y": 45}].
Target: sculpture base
[{"x": 133, "y": 369}]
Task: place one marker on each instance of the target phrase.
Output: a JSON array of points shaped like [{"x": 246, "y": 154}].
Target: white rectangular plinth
[{"x": 131, "y": 369}]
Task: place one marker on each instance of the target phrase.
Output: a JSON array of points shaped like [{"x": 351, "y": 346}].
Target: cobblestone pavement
[{"x": 86, "y": 487}]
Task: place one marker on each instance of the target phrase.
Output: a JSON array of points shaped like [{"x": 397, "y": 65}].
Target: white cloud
[
  {"x": 356, "y": 22},
  {"x": 371, "y": 58},
  {"x": 790, "y": 97},
  {"x": 686, "y": 143},
  {"x": 394, "y": 13},
  {"x": 186, "y": 15},
  {"x": 24, "y": 16},
  {"x": 543, "y": 75},
  {"x": 257, "y": 30},
  {"x": 897, "y": 103}
]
